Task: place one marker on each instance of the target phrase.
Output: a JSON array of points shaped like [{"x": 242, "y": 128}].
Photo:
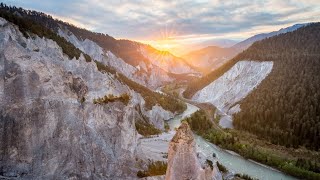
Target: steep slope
[
  {"x": 246, "y": 43},
  {"x": 51, "y": 125},
  {"x": 136, "y": 73},
  {"x": 183, "y": 162},
  {"x": 234, "y": 85},
  {"x": 288, "y": 97},
  {"x": 216, "y": 57},
  {"x": 48, "y": 116},
  {"x": 212, "y": 57},
  {"x": 134, "y": 62}
]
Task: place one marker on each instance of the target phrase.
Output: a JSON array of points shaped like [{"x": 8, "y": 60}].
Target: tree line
[
  {"x": 302, "y": 167},
  {"x": 284, "y": 108}
]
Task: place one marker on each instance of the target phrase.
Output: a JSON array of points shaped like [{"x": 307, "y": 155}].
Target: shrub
[
  {"x": 155, "y": 168},
  {"x": 166, "y": 126},
  {"x": 125, "y": 98},
  {"x": 146, "y": 129},
  {"x": 221, "y": 167},
  {"x": 82, "y": 100},
  {"x": 245, "y": 177},
  {"x": 210, "y": 163}
]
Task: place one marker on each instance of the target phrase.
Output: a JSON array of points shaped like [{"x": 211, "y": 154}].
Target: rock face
[
  {"x": 183, "y": 162},
  {"x": 234, "y": 85},
  {"x": 49, "y": 126},
  {"x": 153, "y": 73},
  {"x": 166, "y": 61}
]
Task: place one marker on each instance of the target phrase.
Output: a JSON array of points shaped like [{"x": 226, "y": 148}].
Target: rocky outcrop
[
  {"x": 49, "y": 126},
  {"x": 235, "y": 84},
  {"x": 183, "y": 162},
  {"x": 166, "y": 61},
  {"x": 232, "y": 87},
  {"x": 47, "y": 131},
  {"x": 148, "y": 75}
]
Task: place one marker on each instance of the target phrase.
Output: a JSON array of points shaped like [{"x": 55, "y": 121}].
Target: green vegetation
[
  {"x": 124, "y": 49},
  {"x": 229, "y": 141},
  {"x": 166, "y": 126},
  {"x": 27, "y": 25},
  {"x": 235, "y": 141},
  {"x": 125, "y": 98},
  {"x": 245, "y": 177},
  {"x": 146, "y": 129},
  {"x": 82, "y": 100},
  {"x": 172, "y": 89},
  {"x": 217, "y": 118},
  {"x": 210, "y": 163},
  {"x": 284, "y": 109},
  {"x": 221, "y": 167},
  {"x": 154, "y": 169},
  {"x": 289, "y": 97},
  {"x": 199, "y": 122},
  {"x": 151, "y": 98},
  {"x": 44, "y": 25}
]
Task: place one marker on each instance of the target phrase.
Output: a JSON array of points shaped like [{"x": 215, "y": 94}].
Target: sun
[
  {"x": 164, "y": 45},
  {"x": 165, "y": 40}
]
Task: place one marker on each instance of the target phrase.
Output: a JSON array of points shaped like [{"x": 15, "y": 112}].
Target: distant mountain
[
  {"x": 246, "y": 43},
  {"x": 210, "y": 58},
  {"x": 147, "y": 65},
  {"x": 218, "y": 42}
]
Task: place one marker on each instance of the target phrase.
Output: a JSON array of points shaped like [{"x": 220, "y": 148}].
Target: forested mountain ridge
[
  {"x": 210, "y": 58},
  {"x": 284, "y": 108},
  {"x": 246, "y": 43},
  {"x": 196, "y": 85}
]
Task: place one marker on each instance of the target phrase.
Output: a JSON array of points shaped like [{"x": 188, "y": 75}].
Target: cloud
[{"x": 145, "y": 19}]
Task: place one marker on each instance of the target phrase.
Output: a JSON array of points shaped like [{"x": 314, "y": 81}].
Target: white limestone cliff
[
  {"x": 151, "y": 76},
  {"x": 52, "y": 128},
  {"x": 234, "y": 85}
]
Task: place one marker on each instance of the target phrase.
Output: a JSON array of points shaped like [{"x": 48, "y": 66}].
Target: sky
[{"x": 178, "y": 25}]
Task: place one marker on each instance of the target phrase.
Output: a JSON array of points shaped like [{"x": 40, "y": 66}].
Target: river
[{"x": 233, "y": 162}]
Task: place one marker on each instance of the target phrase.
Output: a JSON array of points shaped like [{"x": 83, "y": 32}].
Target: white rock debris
[
  {"x": 234, "y": 85},
  {"x": 50, "y": 132}
]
